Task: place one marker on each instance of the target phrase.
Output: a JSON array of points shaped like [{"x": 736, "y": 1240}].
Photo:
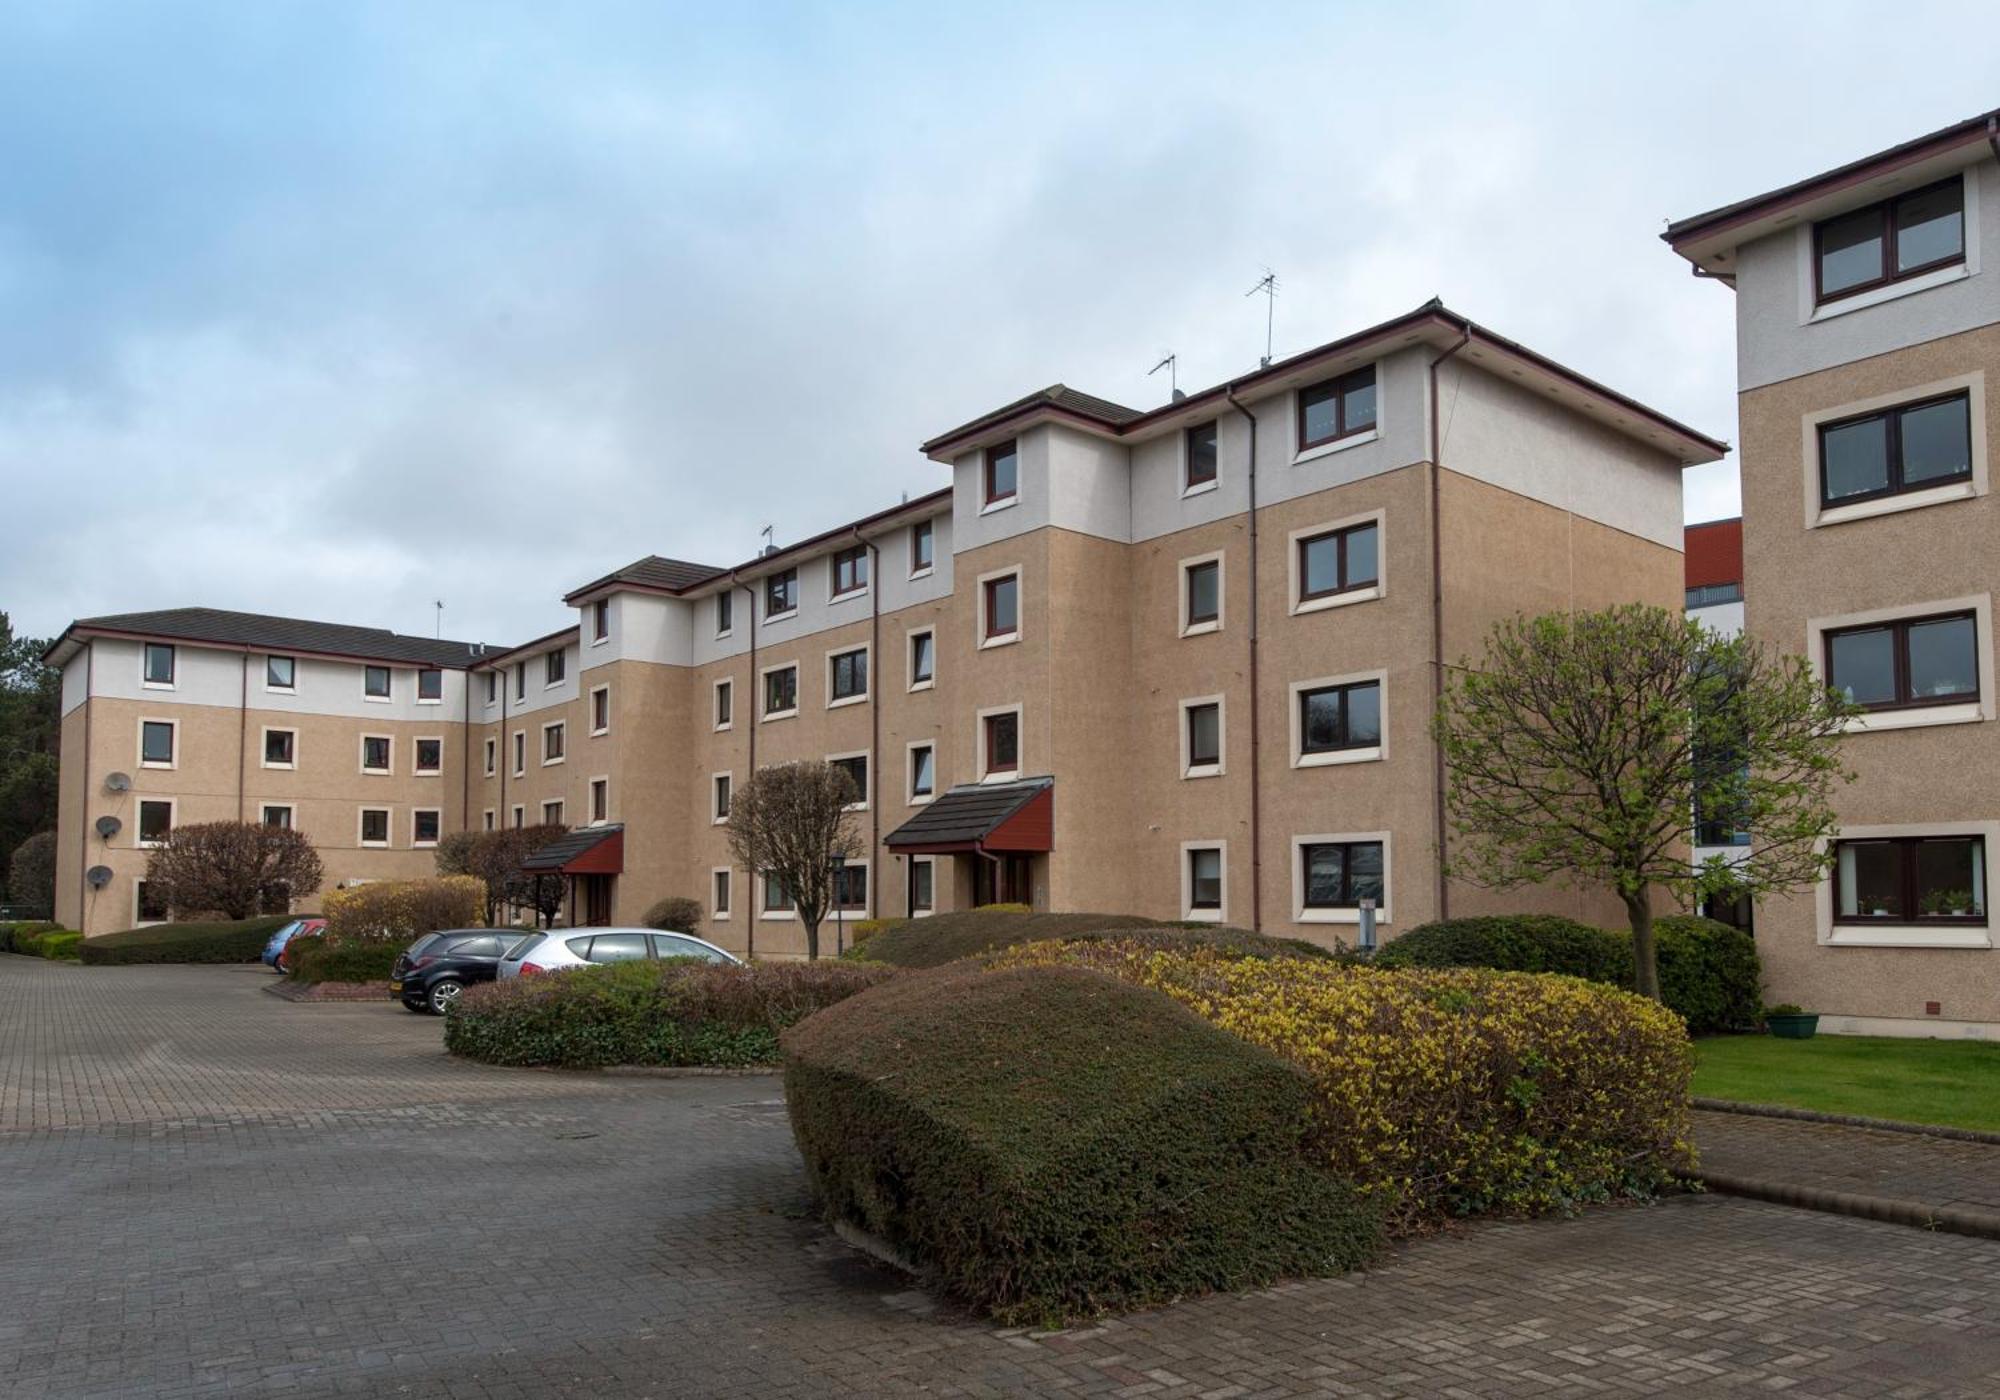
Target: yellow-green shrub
[
  {"x": 404, "y": 909},
  {"x": 1447, "y": 1091}
]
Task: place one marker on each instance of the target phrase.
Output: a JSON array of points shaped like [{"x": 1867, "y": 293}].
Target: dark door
[
  {"x": 594, "y": 897},
  {"x": 1007, "y": 879}
]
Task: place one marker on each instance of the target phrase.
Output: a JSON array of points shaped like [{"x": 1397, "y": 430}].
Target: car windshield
[
  {"x": 422, "y": 943},
  {"x": 520, "y": 950}
]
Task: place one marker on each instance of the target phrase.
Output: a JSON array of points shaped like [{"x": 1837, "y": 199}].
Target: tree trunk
[
  {"x": 1645, "y": 962},
  {"x": 812, "y": 940}
]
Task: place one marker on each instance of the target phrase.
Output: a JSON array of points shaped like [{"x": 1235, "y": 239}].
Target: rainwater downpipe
[
  {"x": 1437, "y": 620},
  {"x": 1256, "y": 700},
  {"x": 753, "y": 909},
  {"x": 875, "y": 674}
]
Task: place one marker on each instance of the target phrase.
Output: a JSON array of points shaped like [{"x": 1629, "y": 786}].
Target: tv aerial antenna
[
  {"x": 1268, "y": 285},
  {"x": 437, "y": 627},
  {"x": 1168, "y": 362}
]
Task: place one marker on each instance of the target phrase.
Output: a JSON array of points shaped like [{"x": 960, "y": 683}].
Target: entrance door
[
  {"x": 1007, "y": 880},
  {"x": 594, "y": 898}
]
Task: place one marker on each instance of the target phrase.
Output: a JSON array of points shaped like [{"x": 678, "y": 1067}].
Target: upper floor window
[
  {"x": 430, "y": 685},
  {"x": 430, "y": 755},
  {"x": 1002, "y": 743},
  {"x": 492, "y": 757},
  {"x": 552, "y": 813},
  {"x": 725, "y": 612},
  {"x": 1000, "y": 600},
  {"x": 492, "y": 687},
  {"x": 280, "y": 748},
  {"x": 1201, "y": 455},
  {"x": 850, "y": 570},
  {"x": 781, "y": 692},
  {"x": 923, "y": 658},
  {"x": 923, "y": 771},
  {"x": 376, "y": 753},
  {"x": 600, "y": 710},
  {"x": 1338, "y": 561},
  {"x": 159, "y": 664},
  {"x": 278, "y": 816},
  {"x": 1915, "y": 879},
  {"x": 855, "y": 766},
  {"x": 1335, "y": 718},
  {"x": 156, "y": 820},
  {"x": 1204, "y": 593},
  {"x": 1336, "y": 408},
  {"x": 1003, "y": 472},
  {"x": 281, "y": 673},
  {"x": 1902, "y": 237},
  {"x": 781, "y": 593},
  {"x": 922, "y": 544},
  {"x": 600, "y": 619},
  {"x": 1906, "y": 663},
  {"x": 1708, "y": 595},
  {"x": 1912, "y": 447},
  {"x": 600, "y": 799},
  {"x": 555, "y": 667},
  {"x": 520, "y": 680},
  {"x": 725, "y": 696},
  {"x": 552, "y": 743},
  {"x": 847, "y": 675},
  {"x": 375, "y": 682}
]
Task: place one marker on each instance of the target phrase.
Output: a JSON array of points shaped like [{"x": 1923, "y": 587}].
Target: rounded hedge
[
  {"x": 226, "y": 941},
  {"x": 1048, "y": 1143},
  {"x": 311, "y": 958},
  {"x": 946, "y": 938}
]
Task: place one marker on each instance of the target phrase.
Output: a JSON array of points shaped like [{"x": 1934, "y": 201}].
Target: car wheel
[{"x": 442, "y": 994}]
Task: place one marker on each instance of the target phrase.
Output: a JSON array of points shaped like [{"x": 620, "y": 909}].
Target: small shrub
[
  {"x": 677, "y": 1012},
  {"x": 227, "y": 941},
  {"x": 1450, "y": 1091},
  {"x": 20, "y": 928},
  {"x": 946, "y": 938},
  {"x": 1048, "y": 1144},
  {"x": 314, "y": 958},
  {"x": 1709, "y": 973},
  {"x": 59, "y": 944},
  {"x": 401, "y": 911},
  {"x": 674, "y": 914}
]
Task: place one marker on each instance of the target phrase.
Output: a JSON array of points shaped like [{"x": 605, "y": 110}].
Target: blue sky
[{"x": 332, "y": 310}]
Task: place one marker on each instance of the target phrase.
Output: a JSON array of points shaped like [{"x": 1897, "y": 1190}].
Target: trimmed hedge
[
  {"x": 1048, "y": 1143},
  {"x": 11, "y": 933},
  {"x": 945, "y": 938},
  {"x": 1708, "y": 971},
  {"x": 228, "y": 941},
  {"x": 674, "y": 1012},
  {"x": 1453, "y": 1091},
  {"x": 402, "y": 911},
  {"x": 313, "y": 959},
  {"x": 39, "y": 939}
]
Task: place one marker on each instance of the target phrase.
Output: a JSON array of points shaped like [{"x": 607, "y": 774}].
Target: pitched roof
[
  {"x": 1057, "y": 396},
  {"x": 565, "y": 850},
  {"x": 967, "y": 813},
  {"x": 654, "y": 571},
  {"x": 238, "y": 629}
]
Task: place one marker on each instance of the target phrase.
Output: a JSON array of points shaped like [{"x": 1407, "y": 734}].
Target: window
[
  {"x": 281, "y": 673},
  {"x": 520, "y": 816},
  {"x": 1909, "y": 448},
  {"x": 600, "y": 799},
  {"x": 375, "y": 682},
  {"x": 923, "y": 543},
  {"x": 1912, "y": 879},
  {"x": 781, "y": 692},
  {"x": 720, "y": 807},
  {"x": 1201, "y": 456},
  {"x": 1000, "y": 608},
  {"x": 430, "y": 756},
  {"x": 1201, "y": 600},
  {"x": 614, "y": 947},
  {"x": 492, "y": 687},
  {"x": 1337, "y": 719},
  {"x": 1003, "y": 473},
  {"x": 159, "y": 664},
  {"x": 280, "y": 748},
  {"x": 430, "y": 687},
  {"x": 376, "y": 753},
  {"x": 552, "y": 813},
  {"x": 146, "y": 908},
  {"x": 520, "y": 680},
  {"x": 374, "y": 826},
  {"x": 1906, "y": 663},
  {"x": 600, "y": 619},
  {"x": 1204, "y": 881},
  {"x": 425, "y": 822},
  {"x": 492, "y": 756},
  {"x": 1887, "y": 242},
  {"x": 725, "y": 612},
  {"x": 1334, "y": 562},
  {"x": 847, "y": 676},
  {"x": 850, "y": 888},
  {"x": 777, "y": 899},
  {"x": 156, "y": 743},
  {"x": 156, "y": 819},
  {"x": 555, "y": 666},
  {"x": 278, "y": 816},
  {"x": 600, "y": 710},
  {"x": 923, "y": 659},
  {"x": 781, "y": 593},
  {"x": 849, "y": 568},
  {"x": 1337, "y": 408},
  {"x": 923, "y": 885},
  {"x": 1340, "y": 874},
  {"x": 552, "y": 743},
  {"x": 520, "y": 752},
  {"x": 923, "y": 772},
  {"x": 488, "y": 822},
  {"x": 1708, "y": 595},
  {"x": 855, "y": 766},
  {"x": 1001, "y": 743},
  {"x": 725, "y": 696},
  {"x": 1202, "y": 757},
  {"x": 721, "y": 902}
]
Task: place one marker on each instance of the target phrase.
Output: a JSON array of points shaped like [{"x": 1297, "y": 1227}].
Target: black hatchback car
[{"x": 433, "y": 970}]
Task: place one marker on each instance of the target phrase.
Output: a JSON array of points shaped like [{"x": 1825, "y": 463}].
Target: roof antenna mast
[
  {"x": 1167, "y": 363},
  {"x": 1268, "y": 285},
  {"x": 438, "y": 626},
  {"x": 770, "y": 543}
]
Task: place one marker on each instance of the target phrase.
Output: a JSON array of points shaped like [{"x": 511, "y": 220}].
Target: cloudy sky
[{"x": 335, "y": 309}]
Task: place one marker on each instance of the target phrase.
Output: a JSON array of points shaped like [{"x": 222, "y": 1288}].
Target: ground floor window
[
  {"x": 1340, "y": 874},
  {"x": 1203, "y": 896},
  {"x": 850, "y": 887},
  {"x": 777, "y": 899},
  {"x": 923, "y": 887},
  {"x": 722, "y": 894},
  {"x": 149, "y": 908},
  {"x": 1910, "y": 879}
]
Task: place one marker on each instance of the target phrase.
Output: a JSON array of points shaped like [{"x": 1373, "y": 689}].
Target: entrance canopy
[
  {"x": 1018, "y": 816},
  {"x": 590, "y": 850}
]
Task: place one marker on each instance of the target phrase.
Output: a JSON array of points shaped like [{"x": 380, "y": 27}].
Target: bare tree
[
  {"x": 495, "y": 857},
  {"x": 236, "y": 869},
  {"x": 1583, "y": 746},
  {"x": 788, "y": 822}
]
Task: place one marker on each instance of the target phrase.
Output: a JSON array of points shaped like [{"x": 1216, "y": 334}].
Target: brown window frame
[
  {"x": 1349, "y": 743},
  {"x": 417, "y": 757},
  {"x": 787, "y": 582},
  {"x": 600, "y": 619},
  {"x": 387, "y": 826},
  {"x": 1195, "y": 901},
  {"x": 1910, "y": 894},
  {"x": 555, "y": 742},
  {"x": 725, "y": 612},
  {"x": 270, "y": 807},
  {"x": 725, "y": 703},
  {"x": 1350, "y": 900},
  {"x": 1189, "y": 480},
  {"x": 773, "y": 674},
  {"x": 719, "y": 882},
  {"x": 1886, "y": 210},
  {"x": 722, "y": 790},
  {"x": 555, "y": 667},
  {"x": 855, "y": 671},
  {"x": 923, "y": 645},
  {"x": 1194, "y": 759},
  {"x": 388, "y": 763},
  {"x": 1893, "y": 445},
  {"x": 520, "y": 680},
  {"x": 917, "y": 770},
  {"x": 1339, "y": 388},
  {"x": 1340, "y": 538},
  {"x": 925, "y": 558},
  {"x": 846, "y": 765},
  {"x": 600, "y": 710},
  {"x": 430, "y": 684},
  {"x": 853, "y": 561},
  {"x": 1195, "y": 619},
  {"x": 1010, "y": 448},
  {"x": 1899, "y": 629},
  {"x": 368, "y": 673},
  {"x": 600, "y": 799},
  {"x": 989, "y": 592},
  {"x": 173, "y": 740},
  {"x": 290, "y": 757},
  {"x": 417, "y": 838},
  {"x": 139, "y": 827},
  {"x": 555, "y": 817},
  {"x": 989, "y": 725}
]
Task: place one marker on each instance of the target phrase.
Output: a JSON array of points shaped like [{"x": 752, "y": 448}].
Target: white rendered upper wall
[{"x": 215, "y": 676}]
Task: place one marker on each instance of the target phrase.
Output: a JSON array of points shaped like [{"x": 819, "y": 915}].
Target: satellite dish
[
  {"x": 99, "y": 876},
  {"x": 107, "y": 827},
  {"x": 117, "y": 782}
]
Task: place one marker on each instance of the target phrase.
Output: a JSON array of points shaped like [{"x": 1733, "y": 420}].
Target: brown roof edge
[
  {"x": 574, "y": 630},
  {"x": 79, "y": 631}
]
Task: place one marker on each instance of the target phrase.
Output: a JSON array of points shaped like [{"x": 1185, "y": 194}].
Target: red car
[{"x": 274, "y": 951}]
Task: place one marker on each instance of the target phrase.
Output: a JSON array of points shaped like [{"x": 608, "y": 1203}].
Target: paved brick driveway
[{"x": 203, "y": 1189}]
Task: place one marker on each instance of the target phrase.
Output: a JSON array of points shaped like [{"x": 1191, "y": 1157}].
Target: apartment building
[
  {"x": 1178, "y": 661},
  {"x": 1868, "y": 317}
]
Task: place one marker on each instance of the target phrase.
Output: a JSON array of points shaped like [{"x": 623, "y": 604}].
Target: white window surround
[
  {"x": 1217, "y": 558},
  {"x": 728, "y": 883},
  {"x": 798, "y": 692},
  {"x": 1004, "y": 503},
  {"x": 139, "y": 737},
  {"x": 1913, "y": 935},
  {"x": 490, "y": 819},
  {"x": 1303, "y": 915},
  {"x": 1372, "y": 754},
  {"x": 1188, "y": 911},
  {"x": 590, "y": 799},
  {"x": 291, "y": 813},
  {"x": 362, "y": 757},
  {"x": 548, "y": 762},
  {"x": 520, "y": 753},
  {"x": 918, "y": 571},
  {"x": 139, "y": 843},
  {"x": 596, "y": 691},
  {"x": 1012, "y": 571},
  {"x": 416, "y": 812},
  {"x": 1810, "y": 313},
  {"x": 932, "y": 864},
  {"x": 788, "y": 915},
  {"x": 388, "y": 699},
  {"x": 174, "y": 652},
  {"x": 436, "y": 772},
  {"x": 1327, "y": 449},
  {"x": 361, "y": 825},
  {"x": 715, "y": 704},
  {"x": 137, "y": 922},
  {"x": 562, "y": 679},
  {"x": 1005, "y": 775},
  {"x": 1974, "y": 386},
  {"x": 862, "y": 754},
  {"x": 867, "y": 910},
  {"x": 1294, "y": 583},
  {"x": 716, "y": 816},
  {"x": 909, "y": 654},
  {"x": 868, "y": 651},
  {"x": 293, "y": 688},
  {"x": 912, "y": 797},
  {"x": 519, "y": 812},
  {"x": 1189, "y": 769},
  {"x": 1917, "y": 716},
  {"x": 492, "y": 756},
  {"x": 264, "y": 747}
]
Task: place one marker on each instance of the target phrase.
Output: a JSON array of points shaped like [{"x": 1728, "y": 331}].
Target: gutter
[
  {"x": 1256, "y": 733},
  {"x": 1437, "y": 619}
]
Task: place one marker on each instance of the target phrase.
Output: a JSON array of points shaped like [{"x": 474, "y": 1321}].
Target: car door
[
  {"x": 478, "y": 957},
  {"x": 618, "y": 947},
  {"x": 670, "y": 945}
]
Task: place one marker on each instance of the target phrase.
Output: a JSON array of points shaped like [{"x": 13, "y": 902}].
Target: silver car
[{"x": 558, "y": 950}]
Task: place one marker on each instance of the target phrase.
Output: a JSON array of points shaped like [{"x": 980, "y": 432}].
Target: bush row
[
  {"x": 18, "y": 929},
  {"x": 1708, "y": 971},
  {"x": 676, "y": 1012},
  {"x": 314, "y": 958},
  {"x": 945, "y": 938},
  {"x": 225, "y": 941},
  {"x": 38, "y": 938}
]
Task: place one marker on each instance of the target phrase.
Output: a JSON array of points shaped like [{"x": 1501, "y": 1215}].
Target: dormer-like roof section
[
  {"x": 291, "y": 636},
  {"x": 654, "y": 573}
]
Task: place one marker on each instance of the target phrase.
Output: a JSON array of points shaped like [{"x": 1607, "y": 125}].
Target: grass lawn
[{"x": 1951, "y": 1082}]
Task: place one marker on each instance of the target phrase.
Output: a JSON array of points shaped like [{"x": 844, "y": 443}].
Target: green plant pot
[{"x": 1799, "y": 1027}]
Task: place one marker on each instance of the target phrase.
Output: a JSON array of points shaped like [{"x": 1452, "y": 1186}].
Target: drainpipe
[
  {"x": 242, "y": 734},
  {"x": 874, "y": 726},
  {"x": 754, "y": 907},
  {"x": 1256, "y": 741},
  {"x": 465, "y": 755},
  {"x": 503, "y": 750},
  {"x": 1437, "y": 619},
  {"x": 84, "y": 827}
]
